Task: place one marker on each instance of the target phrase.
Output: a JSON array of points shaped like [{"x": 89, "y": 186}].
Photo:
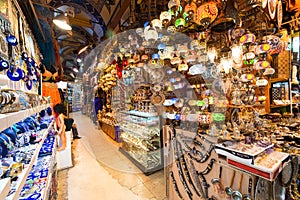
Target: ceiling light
[
  {"x": 75, "y": 70},
  {"x": 83, "y": 49},
  {"x": 72, "y": 75},
  {"x": 62, "y": 22},
  {"x": 78, "y": 60}
]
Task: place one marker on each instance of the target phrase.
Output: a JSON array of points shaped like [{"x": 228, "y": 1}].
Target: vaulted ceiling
[{"x": 87, "y": 29}]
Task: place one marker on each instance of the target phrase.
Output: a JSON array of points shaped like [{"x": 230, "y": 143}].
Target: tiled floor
[{"x": 101, "y": 171}]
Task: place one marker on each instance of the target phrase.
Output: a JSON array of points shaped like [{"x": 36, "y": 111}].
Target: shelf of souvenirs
[
  {"x": 24, "y": 169},
  {"x": 42, "y": 172},
  {"x": 8, "y": 119}
]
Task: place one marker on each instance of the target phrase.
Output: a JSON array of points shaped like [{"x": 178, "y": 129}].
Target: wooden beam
[{"x": 116, "y": 16}]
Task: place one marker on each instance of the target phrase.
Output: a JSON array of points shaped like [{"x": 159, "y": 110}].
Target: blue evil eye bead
[
  {"x": 29, "y": 84},
  {"x": 12, "y": 40},
  {"x": 177, "y": 116},
  {"x": 31, "y": 61},
  {"x": 15, "y": 75},
  {"x": 4, "y": 65},
  {"x": 24, "y": 56}
]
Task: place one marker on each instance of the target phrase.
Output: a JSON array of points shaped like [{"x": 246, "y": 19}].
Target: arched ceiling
[
  {"x": 83, "y": 33},
  {"x": 87, "y": 24}
]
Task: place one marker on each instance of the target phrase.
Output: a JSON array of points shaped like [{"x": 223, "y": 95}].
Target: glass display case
[{"x": 141, "y": 140}]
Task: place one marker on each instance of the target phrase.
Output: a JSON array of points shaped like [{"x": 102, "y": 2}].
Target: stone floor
[{"x": 101, "y": 171}]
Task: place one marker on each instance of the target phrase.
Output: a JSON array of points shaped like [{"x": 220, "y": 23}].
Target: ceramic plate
[
  {"x": 272, "y": 8},
  {"x": 279, "y": 14},
  {"x": 264, "y": 3},
  {"x": 158, "y": 98},
  {"x": 263, "y": 190}
]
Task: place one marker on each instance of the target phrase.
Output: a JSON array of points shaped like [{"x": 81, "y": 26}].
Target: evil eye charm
[
  {"x": 4, "y": 65},
  {"x": 12, "y": 40},
  {"x": 31, "y": 62},
  {"x": 15, "y": 75},
  {"x": 24, "y": 56},
  {"x": 29, "y": 84}
]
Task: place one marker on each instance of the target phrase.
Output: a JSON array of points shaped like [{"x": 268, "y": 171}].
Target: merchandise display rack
[
  {"x": 6, "y": 120},
  {"x": 22, "y": 177},
  {"x": 147, "y": 153}
]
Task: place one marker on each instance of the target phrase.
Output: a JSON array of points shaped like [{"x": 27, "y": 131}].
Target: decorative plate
[
  {"x": 278, "y": 190},
  {"x": 158, "y": 98},
  {"x": 156, "y": 88},
  {"x": 272, "y": 8},
  {"x": 286, "y": 175},
  {"x": 269, "y": 71},
  {"x": 262, "y": 82},
  {"x": 263, "y": 189},
  {"x": 279, "y": 14},
  {"x": 264, "y": 3}
]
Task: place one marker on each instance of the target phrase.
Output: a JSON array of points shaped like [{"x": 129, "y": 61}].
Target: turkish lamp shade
[{"x": 62, "y": 22}]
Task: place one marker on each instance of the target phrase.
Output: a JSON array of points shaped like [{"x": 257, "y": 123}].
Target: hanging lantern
[
  {"x": 247, "y": 39},
  {"x": 156, "y": 24},
  {"x": 206, "y": 14},
  {"x": 151, "y": 34},
  {"x": 190, "y": 10},
  {"x": 179, "y": 23},
  {"x": 237, "y": 55},
  {"x": 165, "y": 17},
  {"x": 161, "y": 47},
  {"x": 226, "y": 64},
  {"x": 211, "y": 54}
]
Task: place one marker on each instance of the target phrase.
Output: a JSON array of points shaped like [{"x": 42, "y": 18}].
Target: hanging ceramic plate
[
  {"x": 279, "y": 14},
  {"x": 264, "y": 3},
  {"x": 272, "y": 8},
  {"x": 156, "y": 88},
  {"x": 158, "y": 98}
]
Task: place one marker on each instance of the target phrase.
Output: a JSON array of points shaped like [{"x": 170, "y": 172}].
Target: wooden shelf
[{"x": 4, "y": 187}]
